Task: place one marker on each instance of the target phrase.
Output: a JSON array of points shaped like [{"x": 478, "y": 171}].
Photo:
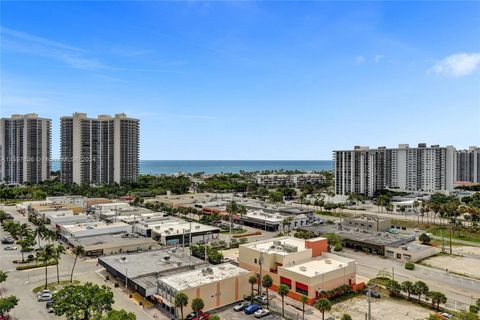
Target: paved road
[
  {"x": 21, "y": 283},
  {"x": 458, "y": 289}
]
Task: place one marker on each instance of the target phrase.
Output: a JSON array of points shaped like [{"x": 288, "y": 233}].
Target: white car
[
  {"x": 44, "y": 297},
  {"x": 447, "y": 315},
  {"x": 11, "y": 248},
  {"x": 261, "y": 313}
]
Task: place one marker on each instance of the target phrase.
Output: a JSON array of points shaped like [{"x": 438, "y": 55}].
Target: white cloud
[
  {"x": 378, "y": 57},
  {"x": 31, "y": 44},
  {"x": 457, "y": 65},
  {"x": 359, "y": 60}
]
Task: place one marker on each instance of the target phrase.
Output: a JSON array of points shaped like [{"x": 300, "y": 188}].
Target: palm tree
[
  {"x": 181, "y": 300},
  {"x": 304, "y": 300},
  {"x": 407, "y": 286},
  {"x": 416, "y": 204},
  {"x": 323, "y": 305},
  {"x": 197, "y": 305},
  {"x": 437, "y": 298},
  {"x": 242, "y": 210},
  {"x": 59, "y": 250},
  {"x": 283, "y": 290},
  {"x": 232, "y": 209},
  {"x": 252, "y": 280},
  {"x": 267, "y": 283},
  {"x": 45, "y": 255},
  {"x": 77, "y": 251},
  {"x": 420, "y": 288}
]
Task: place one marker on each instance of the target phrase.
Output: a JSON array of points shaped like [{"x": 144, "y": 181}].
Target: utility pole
[
  {"x": 260, "y": 262},
  {"x": 443, "y": 240},
  {"x": 450, "y": 240},
  {"x": 393, "y": 273},
  {"x": 369, "y": 306}
]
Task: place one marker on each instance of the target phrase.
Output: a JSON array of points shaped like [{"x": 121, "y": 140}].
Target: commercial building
[
  {"x": 378, "y": 243},
  {"x": 410, "y": 252},
  {"x": 177, "y": 232},
  {"x": 369, "y": 223},
  {"x": 468, "y": 165},
  {"x": 303, "y": 265},
  {"x": 366, "y": 171},
  {"x": 218, "y": 286},
  {"x": 39, "y": 207},
  {"x": 273, "y": 221},
  {"x": 107, "y": 244},
  {"x": 100, "y": 150},
  {"x": 292, "y": 180},
  {"x": 25, "y": 149},
  {"x": 93, "y": 228},
  {"x": 140, "y": 271},
  {"x": 79, "y": 201},
  {"x": 61, "y": 217}
]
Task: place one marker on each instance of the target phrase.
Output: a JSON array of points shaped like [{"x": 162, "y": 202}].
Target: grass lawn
[
  {"x": 463, "y": 234},
  {"x": 235, "y": 231},
  {"x": 52, "y": 286}
]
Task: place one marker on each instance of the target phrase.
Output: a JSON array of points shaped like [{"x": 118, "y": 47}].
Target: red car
[{"x": 202, "y": 316}]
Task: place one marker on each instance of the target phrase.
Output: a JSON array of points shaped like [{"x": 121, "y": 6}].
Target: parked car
[
  {"x": 252, "y": 308},
  {"x": 190, "y": 316},
  {"x": 446, "y": 315},
  {"x": 372, "y": 293},
  {"x": 10, "y": 248},
  {"x": 44, "y": 291},
  {"x": 261, "y": 313},
  {"x": 242, "y": 305},
  {"x": 44, "y": 297},
  {"x": 8, "y": 241},
  {"x": 261, "y": 299},
  {"x": 48, "y": 305},
  {"x": 202, "y": 316}
]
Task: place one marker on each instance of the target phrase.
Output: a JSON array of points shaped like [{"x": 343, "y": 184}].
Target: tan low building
[
  {"x": 218, "y": 286},
  {"x": 304, "y": 266}
]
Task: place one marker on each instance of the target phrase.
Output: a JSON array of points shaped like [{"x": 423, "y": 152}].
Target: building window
[
  {"x": 255, "y": 260},
  {"x": 301, "y": 288},
  {"x": 286, "y": 282},
  {"x": 399, "y": 256}
]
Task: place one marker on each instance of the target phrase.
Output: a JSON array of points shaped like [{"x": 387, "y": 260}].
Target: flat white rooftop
[
  {"x": 93, "y": 225},
  {"x": 319, "y": 266},
  {"x": 176, "y": 227},
  {"x": 282, "y": 245},
  {"x": 199, "y": 277}
]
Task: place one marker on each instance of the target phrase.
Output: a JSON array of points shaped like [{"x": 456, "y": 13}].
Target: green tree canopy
[
  {"x": 82, "y": 301},
  {"x": 119, "y": 315},
  {"x": 323, "y": 305},
  {"x": 181, "y": 301},
  {"x": 7, "y": 304}
]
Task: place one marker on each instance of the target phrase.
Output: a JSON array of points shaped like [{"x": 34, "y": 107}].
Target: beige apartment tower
[
  {"x": 102, "y": 150},
  {"x": 25, "y": 149}
]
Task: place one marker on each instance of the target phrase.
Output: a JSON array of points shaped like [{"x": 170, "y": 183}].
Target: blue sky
[{"x": 250, "y": 80}]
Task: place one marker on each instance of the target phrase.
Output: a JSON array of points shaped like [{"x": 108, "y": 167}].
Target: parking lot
[{"x": 228, "y": 313}]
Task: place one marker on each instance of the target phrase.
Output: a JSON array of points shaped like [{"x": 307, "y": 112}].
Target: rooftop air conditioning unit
[
  {"x": 303, "y": 268},
  {"x": 328, "y": 261}
]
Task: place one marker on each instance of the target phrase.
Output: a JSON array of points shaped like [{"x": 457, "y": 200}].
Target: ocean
[{"x": 225, "y": 166}]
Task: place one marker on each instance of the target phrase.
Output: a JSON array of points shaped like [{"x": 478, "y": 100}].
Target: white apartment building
[
  {"x": 468, "y": 165},
  {"x": 100, "y": 150},
  {"x": 25, "y": 149},
  {"x": 294, "y": 180},
  {"x": 365, "y": 171}
]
